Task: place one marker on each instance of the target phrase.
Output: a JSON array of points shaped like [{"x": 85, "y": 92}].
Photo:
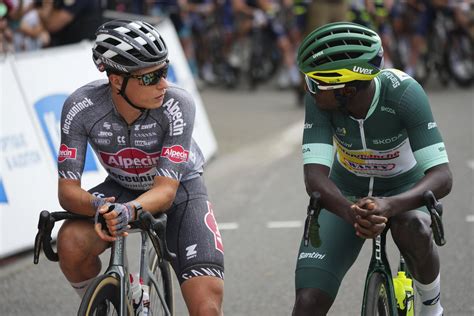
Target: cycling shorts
[
  {"x": 191, "y": 233},
  {"x": 324, "y": 267}
]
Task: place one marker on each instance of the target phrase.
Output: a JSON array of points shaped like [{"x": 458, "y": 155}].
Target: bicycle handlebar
[
  {"x": 43, "y": 237},
  {"x": 156, "y": 228},
  {"x": 311, "y": 227},
  {"x": 436, "y": 212}
]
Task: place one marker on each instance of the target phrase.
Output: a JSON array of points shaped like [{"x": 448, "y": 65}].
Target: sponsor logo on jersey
[
  {"x": 102, "y": 141},
  {"x": 387, "y": 140},
  {"x": 306, "y": 150},
  {"x": 432, "y": 125},
  {"x": 175, "y": 116},
  {"x": 66, "y": 153},
  {"x": 146, "y": 135},
  {"x": 387, "y": 109},
  {"x": 121, "y": 140},
  {"x": 130, "y": 160},
  {"x": 148, "y": 126},
  {"x": 370, "y": 166},
  {"x": 107, "y": 125},
  {"x": 311, "y": 255},
  {"x": 211, "y": 224},
  {"x": 105, "y": 134},
  {"x": 341, "y": 131},
  {"x": 145, "y": 142},
  {"x": 308, "y": 125},
  {"x": 76, "y": 108},
  {"x": 48, "y": 110},
  {"x": 392, "y": 78},
  {"x": 175, "y": 153},
  {"x": 362, "y": 70}
]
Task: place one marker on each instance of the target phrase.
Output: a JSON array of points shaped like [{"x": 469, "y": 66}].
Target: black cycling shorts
[{"x": 192, "y": 231}]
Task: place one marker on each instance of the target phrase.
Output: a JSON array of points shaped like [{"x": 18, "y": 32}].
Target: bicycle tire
[
  {"x": 377, "y": 296},
  {"x": 162, "y": 273},
  {"x": 101, "y": 297}
]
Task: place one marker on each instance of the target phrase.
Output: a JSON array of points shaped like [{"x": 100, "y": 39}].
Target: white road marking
[
  {"x": 228, "y": 226},
  {"x": 470, "y": 163},
  {"x": 285, "y": 224},
  {"x": 470, "y": 218}
]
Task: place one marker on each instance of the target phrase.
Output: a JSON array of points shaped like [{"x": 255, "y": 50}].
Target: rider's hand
[
  {"x": 117, "y": 216},
  {"x": 369, "y": 222}
]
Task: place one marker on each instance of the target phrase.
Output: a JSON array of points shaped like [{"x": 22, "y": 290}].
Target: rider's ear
[{"x": 116, "y": 81}]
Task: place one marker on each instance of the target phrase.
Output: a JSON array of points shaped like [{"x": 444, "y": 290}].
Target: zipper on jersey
[{"x": 364, "y": 147}]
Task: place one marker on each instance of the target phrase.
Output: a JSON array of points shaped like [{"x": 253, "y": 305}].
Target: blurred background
[{"x": 240, "y": 57}]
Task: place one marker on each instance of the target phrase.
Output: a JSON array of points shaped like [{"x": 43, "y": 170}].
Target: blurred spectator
[
  {"x": 6, "y": 34},
  {"x": 321, "y": 12},
  {"x": 70, "y": 21},
  {"x": 32, "y": 34}
]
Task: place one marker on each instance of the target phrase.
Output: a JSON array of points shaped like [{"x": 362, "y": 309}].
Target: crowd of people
[
  {"x": 27, "y": 25},
  {"x": 34, "y": 24}
]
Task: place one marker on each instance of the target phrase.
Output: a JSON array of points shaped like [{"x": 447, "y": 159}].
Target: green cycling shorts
[{"x": 324, "y": 267}]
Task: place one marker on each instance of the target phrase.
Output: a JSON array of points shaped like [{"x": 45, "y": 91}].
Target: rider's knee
[
  {"x": 208, "y": 307},
  {"x": 74, "y": 239},
  {"x": 311, "y": 302},
  {"x": 413, "y": 230}
]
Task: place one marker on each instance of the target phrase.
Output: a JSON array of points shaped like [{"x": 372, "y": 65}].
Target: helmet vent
[
  {"x": 112, "y": 41},
  {"x": 326, "y": 74}
]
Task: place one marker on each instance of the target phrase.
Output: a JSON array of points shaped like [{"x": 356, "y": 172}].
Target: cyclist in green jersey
[{"x": 388, "y": 151}]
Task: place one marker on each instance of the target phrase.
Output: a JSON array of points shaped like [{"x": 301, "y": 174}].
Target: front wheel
[
  {"x": 377, "y": 296},
  {"x": 164, "y": 287},
  {"x": 101, "y": 297}
]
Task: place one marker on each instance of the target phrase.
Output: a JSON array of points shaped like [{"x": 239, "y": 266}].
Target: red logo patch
[
  {"x": 175, "y": 153},
  {"x": 131, "y": 160},
  {"x": 66, "y": 153},
  {"x": 211, "y": 223}
]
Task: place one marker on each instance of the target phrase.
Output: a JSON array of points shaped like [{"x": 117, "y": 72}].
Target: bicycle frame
[
  {"x": 149, "y": 227},
  {"x": 118, "y": 268},
  {"x": 379, "y": 263}
]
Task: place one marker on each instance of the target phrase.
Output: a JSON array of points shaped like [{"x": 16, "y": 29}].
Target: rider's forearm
[
  {"x": 437, "y": 179},
  {"x": 160, "y": 197},
  {"x": 73, "y": 198},
  {"x": 316, "y": 180}
]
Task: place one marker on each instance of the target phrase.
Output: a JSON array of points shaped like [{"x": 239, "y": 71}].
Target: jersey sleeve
[
  {"x": 317, "y": 135},
  {"x": 73, "y": 145},
  {"x": 425, "y": 138},
  {"x": 180, "y": 112}
]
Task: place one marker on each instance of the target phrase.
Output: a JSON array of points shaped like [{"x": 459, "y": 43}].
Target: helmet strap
[{"x": 122, "y": 93}]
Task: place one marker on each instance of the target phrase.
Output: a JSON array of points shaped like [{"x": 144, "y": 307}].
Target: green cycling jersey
[{"x": 391, "y": 147}]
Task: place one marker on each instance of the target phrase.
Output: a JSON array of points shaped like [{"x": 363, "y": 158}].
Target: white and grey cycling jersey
[{"x": 158, "y": 143}]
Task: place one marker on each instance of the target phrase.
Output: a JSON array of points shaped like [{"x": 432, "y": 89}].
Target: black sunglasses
[{"x": 152, "y": 78}]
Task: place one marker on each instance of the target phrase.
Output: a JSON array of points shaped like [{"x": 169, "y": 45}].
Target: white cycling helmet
[{"x": 124, "y": 46}]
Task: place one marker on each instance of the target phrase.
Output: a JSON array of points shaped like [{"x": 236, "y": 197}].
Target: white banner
[{"x": 33, "y": 89}]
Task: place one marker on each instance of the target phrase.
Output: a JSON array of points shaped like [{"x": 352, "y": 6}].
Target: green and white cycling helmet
[{"x": 341, "y": 52}]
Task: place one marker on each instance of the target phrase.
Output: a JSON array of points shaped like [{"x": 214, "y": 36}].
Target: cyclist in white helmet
[{"x": 140, "y": 127}]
